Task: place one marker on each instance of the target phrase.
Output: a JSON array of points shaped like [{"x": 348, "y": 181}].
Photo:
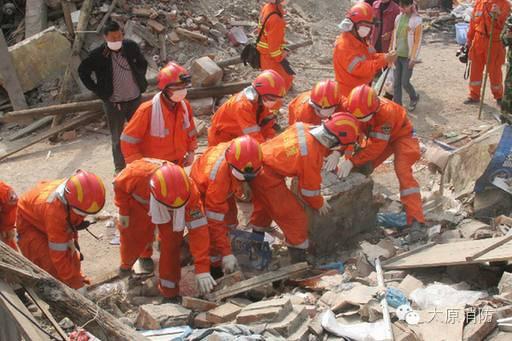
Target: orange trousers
[
  {"x": 268, "y": 63},
  {"x": 407, "y": 152},
  {"x": 478, "y": 57},
  {"x": 136, "y": 240},
  {"x": 274, "y": 201},
  {"x": 231, "y": 221},
  {"x": 7, "y": 239}
]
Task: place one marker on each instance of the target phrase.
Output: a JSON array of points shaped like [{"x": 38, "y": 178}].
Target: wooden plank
[
  {"x": 44, "y": 309},
  {"x": 8, "y": 77},
  {"x": 66, "y": 9},
  {"x": 243, "y": 286},
  {"x": 42, "y": 122},
  {"x": 36, "y": 18},
  {"x": 408, "y": 253},
  {"x": 452, "y": 254},
  {"x": 82, "y": 119},
  {"x": 24, "y": 319},
  {"x": 106, "y": 16},
  {"x": 489, "y": 248}
]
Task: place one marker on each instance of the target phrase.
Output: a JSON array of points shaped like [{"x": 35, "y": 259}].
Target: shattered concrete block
[
  {"x": 470, "y": 227},
  {"x": 142, "y": 11},
  {"x": 44, "y": 63},
  {"x": 353, "y": 212},
  {"x": 197, "y": 304},
  {"x": 173, "y": 37},
  {"x": 205, "y": 72},
  {"x": 384, "y": 249},
  {"x": 265, "y": 311},
  {"x": 202, "y": 106},
  {"x": 290, "y": 323},
  {"x": 224, "y": 313},
  {"x": 409, "y": 284},
  {"x": 156, "y": 26},
  {"x": 505, "y": 285},
  {"x": 315, "y": 326},
  {"x": 200, "y": 321},
  {"x": 302, "y": 334},
  {"x": 491, "y": 203},
  {"x": 162, "y": 316},
  {"x": 394, "y": 274}
]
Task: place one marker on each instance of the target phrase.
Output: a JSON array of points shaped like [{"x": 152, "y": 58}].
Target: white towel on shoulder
[
  {"x": 157, "y": 117},
  {"x": 160, "y": 214}
]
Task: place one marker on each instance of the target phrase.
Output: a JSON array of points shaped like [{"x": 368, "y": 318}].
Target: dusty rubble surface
[{"x": 292, "y": 310}]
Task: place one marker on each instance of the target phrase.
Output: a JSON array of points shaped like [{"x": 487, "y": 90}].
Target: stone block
[
  {"x": 205, "y": 72},
  {"x": 162, "y": 316},
  {"x": 224, "y": 313},
  {"x": 197, "y": 304},
  {"x": 35, "y": 63},
  {"x": 353, "y": 212},
  {"x": 264, "y": 311}
]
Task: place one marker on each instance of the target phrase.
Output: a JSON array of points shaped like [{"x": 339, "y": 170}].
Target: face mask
[
  {"x": 324, "y": 113},
  {"x": 363, "y": 31},
  {"x": 366, "y": 119},
  {"x": 114, "y": 45},
  {"x": 238, "y": 175},
  {"x": 179, "y": 95},
  {"x": 78, "y": 212}
]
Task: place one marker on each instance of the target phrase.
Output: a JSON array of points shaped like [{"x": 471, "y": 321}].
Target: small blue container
[{"x": 461, "y": 32}]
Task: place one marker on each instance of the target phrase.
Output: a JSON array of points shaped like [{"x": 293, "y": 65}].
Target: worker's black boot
[
  {"x": 418, "y": 233},
  {"x": 297, "y": 255}
]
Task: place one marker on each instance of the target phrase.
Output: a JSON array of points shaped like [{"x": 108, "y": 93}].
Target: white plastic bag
[
  {"x": 439, "y": 295},
  {"x": 375, "y": 331}
]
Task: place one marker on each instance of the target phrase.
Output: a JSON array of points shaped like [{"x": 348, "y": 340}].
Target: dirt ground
[{"x": 438, "y": 79}]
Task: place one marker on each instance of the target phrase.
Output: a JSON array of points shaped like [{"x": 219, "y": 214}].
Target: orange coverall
[
  {"x": 294, "y": 153},
  {"x": 299, "y": 110},
  {"x": 131, "y": 196},
  {"x": 478, "y": 39},
  {"x": 240, "y": 116},
  {"x": 137, "y": 141},
  {"x": 355, "y": 63},
  {"x": 45, "y": 236},
  {"x": 218, "y": 187},
  {"x": 8, "y": 201},
  {"x": 391, "y": 132},
  {"x": 272, "y": 43}
]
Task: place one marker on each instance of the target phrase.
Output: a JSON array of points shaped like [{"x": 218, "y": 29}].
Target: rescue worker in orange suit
[
  {"x": 162, "y": 128},
  {"x": 478, "y": 43},
  {"x": 250, "y": 112},
  {"x": 316, "y": 105},
  {"x": 48, "y": 220},
  {"x": 149, "y": 193},
  {"x": 355, "y": 61},
  {"x": 221, "y": 174},
  {"x": 8, "y": 202},
  {"x": 272, "y": 42},
  {"x": 299, "y": 152},
  {"x": 389, "y": 131}
]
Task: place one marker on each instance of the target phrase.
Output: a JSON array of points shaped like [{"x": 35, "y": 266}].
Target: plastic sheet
[
  {"x": 359, "y": 331},
  {"x": 439, "y": 295}
]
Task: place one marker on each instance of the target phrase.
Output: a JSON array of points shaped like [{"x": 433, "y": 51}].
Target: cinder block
[{"x": 205, "y": 72}]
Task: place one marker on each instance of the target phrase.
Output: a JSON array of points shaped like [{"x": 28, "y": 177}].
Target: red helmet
[
  {"x": 244, "y": 155},
  {"x": 170, "y": 185},
  {"x": 363, "y": 101},
  {"x": 173, "y": 75},
  {"x": 344, "y": 126},
  {"x": 325, "y": 94},
  {"x": 85, "y": 192},
  {"x": 269, "y": 83},
  {"x": 360, "y": 12}
]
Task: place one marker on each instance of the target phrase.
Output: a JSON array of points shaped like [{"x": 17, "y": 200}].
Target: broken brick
[
  {"x": 265, "y": 311},
  {"x": 224, "y": 313},
  {"x": 153, "y": 316},
  {"x": 200, "y": 321},
  {"x": 197, "y": 304},
  {"x": 409, "y": 284},
  {"x": 156, "y": 26},
  {"x": 142, "y": 12}
]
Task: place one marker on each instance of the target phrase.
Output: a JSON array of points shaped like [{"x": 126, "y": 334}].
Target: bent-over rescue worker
[
  {"x": 298, "y": 152},
  {"x": 149, "y": 193},
  {"x": 250, "y": 112},
  {"x": 272, "y": 43},
  {"x": 389, "y": 131},
  {"x": 355, "y": 61},
  {"x": 48, "y": 220},
  {"x": 478, "y": 43},
  {"x": 8, "y": 203},
  {"x": 315, "y": 105},
  {"x": 163, "y": 127},
  {"x": 221, "y": 174}
]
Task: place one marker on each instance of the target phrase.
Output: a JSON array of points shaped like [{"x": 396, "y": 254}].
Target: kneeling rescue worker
[
  {"x": 151, "y": 192},
  {"x": 250, "y": 112},
  {"x": 316, "y": 105},
  {"x": 8, "y": 204},
  {"x": 298, "y": 152},
  {"x": 48, "y": 220},
  {"x": 389, "y": 131},
  {"x": 221, "y": 174}
]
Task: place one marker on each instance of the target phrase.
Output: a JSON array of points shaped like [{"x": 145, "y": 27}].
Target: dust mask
[
  {"x": 325, "y": 113},
  {"x": 179, "y": 95},
  {"x": 115, "y": 45},
  {"x": 237, "y": 174},
  {"x": 363, "y": 31}
]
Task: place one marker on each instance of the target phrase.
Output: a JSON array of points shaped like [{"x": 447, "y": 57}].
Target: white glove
[
  {"x": 189, "y": 159},
  {"x": 124, "y": 220},
  {"x": 325, "y": 208},
  {"x": 205, "y": 282},
  {"x": 229, "y": 264},
  {"x": 82, "y": 290},
  {"x": 331, "y": 161},
  {"x": 344, "y": 168}
]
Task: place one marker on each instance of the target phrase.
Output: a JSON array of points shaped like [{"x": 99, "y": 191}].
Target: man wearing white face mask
[
  {"x": 120, "y": 77},
  {"x": 355, "y": 61}
]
